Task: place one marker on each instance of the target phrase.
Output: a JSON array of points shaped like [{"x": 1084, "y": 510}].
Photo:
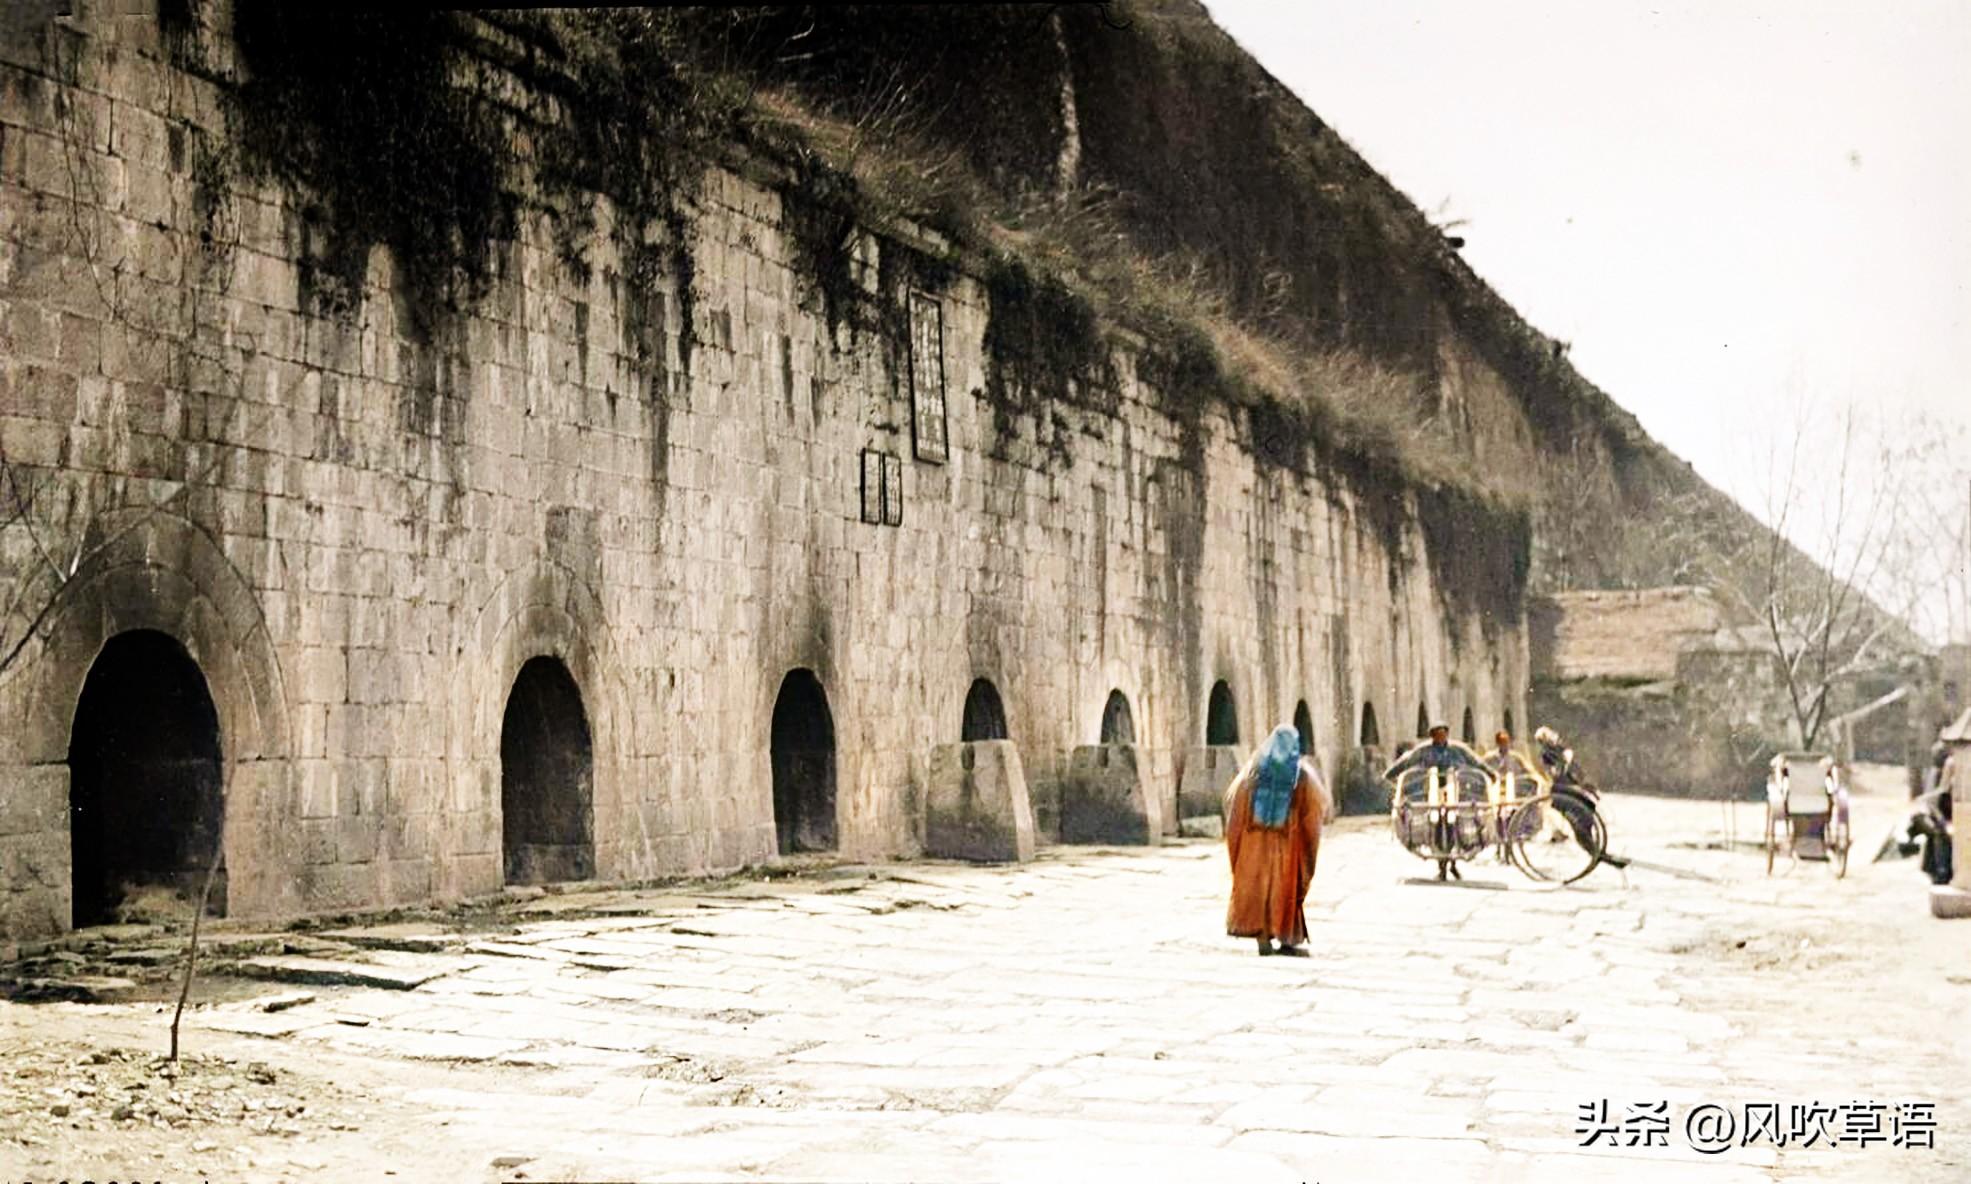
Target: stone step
[
  {"x": 81, "y": 988},
  {"x": 1209, "y": 826},
  {"x": 409, "y": 937},
  {"x": 401, "y": 974}
]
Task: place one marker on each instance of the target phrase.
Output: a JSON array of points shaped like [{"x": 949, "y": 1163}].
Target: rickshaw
[
  {"x": 1807, "y": 810},
  {"x": 1459, "y": 813}
]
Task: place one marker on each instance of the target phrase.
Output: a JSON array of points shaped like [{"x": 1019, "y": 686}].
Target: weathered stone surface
[
  {"x": 1104, "y": 798},
  {"x": 399, "y": 976},
  {"x": 1433, "y": 1035},
  {"x": 977, "y": 806},
  {"x": 81, "y": 988},
  {"x": 1630, "y": 635},
  {"x": 1949, "y": 901},
  {"x": 361, "y": 525},
  {"x": 1208, "y": 772},
  {"x": 1204, "y": 826},
  {"x": 286, "y": 1000},
  {"x": 411, "y": 936}
]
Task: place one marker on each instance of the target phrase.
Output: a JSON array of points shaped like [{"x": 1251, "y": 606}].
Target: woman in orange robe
[{"x": 1274, "y": 810}]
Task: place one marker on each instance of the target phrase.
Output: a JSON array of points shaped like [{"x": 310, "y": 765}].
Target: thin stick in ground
[{"x": 191, "y": 946}]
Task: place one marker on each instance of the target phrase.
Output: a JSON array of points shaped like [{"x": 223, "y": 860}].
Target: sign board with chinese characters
[{"x": 927, "y": 419}]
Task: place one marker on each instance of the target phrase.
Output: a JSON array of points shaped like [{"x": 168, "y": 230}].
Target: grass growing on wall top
[{"x": 357, "y": 109}]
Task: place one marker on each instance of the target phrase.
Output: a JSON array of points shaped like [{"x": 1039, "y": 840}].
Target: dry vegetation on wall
[{"x": 1185, "y": 222}]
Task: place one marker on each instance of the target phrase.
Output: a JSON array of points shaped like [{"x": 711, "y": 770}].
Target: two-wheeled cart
[
  {"x": 1807, "y": 811},
  {"x": 1456, "y": 814}
]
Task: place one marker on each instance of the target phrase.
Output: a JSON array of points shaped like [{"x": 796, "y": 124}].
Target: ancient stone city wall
[{"x": 366, "y": 535}]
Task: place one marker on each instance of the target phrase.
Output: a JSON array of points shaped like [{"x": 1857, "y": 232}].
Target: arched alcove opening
[
  {"x": 1303, "y": 722},
  {"x": 985, "y": 715},
  {"x": 146, "y": 782},
  {"x": 1371, "y": 735},
  {"x": 1423, "y": 719},
  {"x": 1468, "y": 731},
  {"x": 1221, "y": 716},
  {"x": 1514, "y": 732},
  {"x": 803, "y": 757},
  {"x": 1118, "y": 725},
  {"x": 547, "y": 778}
]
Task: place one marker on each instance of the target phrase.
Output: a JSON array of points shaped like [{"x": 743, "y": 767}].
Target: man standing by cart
[{"x": 1447, "y": 758}]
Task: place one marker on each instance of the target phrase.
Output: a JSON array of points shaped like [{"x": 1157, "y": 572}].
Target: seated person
[{"x": 1503, "y": 760}]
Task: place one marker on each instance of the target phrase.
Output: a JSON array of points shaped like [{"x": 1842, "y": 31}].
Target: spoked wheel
[{"x": 1556, "y": 838}]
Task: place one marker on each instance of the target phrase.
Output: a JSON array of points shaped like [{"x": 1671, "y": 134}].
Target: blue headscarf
[{"x": 1276, "y": 771}]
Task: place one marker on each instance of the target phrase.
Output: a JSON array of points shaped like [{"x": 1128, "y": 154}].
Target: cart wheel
[
  {"x": 1600, "y": 836},
  {"x": 1561, "y": 863},
  {"x": 1517, "y": 826}
]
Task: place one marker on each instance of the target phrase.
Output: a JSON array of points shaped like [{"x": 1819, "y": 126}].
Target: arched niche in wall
[
  {"x": 1509, "y": 728},
  {"x": 547, "y": 778},
  {"x": 1118, "y": 725},
  {"x": 803, "y": 759},
  {"x": 1423, "y": 719},
  {"x": 1221, "y": 716},
  {"x": 1469, "y": 730},
  {"x": 985, "y": 715},
  {"x": 1371, "y": 736},
  {"x": 145, "y": 779},
  {"x": 1303, "y": 723}
]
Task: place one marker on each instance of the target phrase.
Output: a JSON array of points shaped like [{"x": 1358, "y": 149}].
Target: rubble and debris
[{"x": 51, "y": 1093}]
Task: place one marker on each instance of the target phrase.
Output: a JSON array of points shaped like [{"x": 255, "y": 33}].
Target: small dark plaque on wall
[
  {"x": 892, "y": 490},
  {"x": 872, "y": 487},
  {"x": 882, "y": 488},
  {"x": 927, "y": 422}
]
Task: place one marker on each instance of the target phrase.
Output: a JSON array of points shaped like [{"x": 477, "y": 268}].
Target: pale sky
[{"x": 1726, "y": 206}]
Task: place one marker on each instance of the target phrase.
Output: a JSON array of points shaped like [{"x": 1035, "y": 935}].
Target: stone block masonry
[
  {"x": 1208, "y": 771},
  {"x": 1104, "y": 798},
  {"x": 977, "y": 807},
  {"x": 582, "y": 578}
]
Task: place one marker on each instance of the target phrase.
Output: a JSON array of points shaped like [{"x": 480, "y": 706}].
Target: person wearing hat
[
  {"x": 1445, "y": 756},
  {"x": 1440, "y": 753}
]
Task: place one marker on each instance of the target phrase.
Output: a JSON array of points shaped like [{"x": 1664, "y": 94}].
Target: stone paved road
[{"x": 1081, "y": 1018}]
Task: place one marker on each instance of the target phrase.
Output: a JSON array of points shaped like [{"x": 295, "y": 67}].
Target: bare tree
[
  {"x": 1934, "y": 554},
  {"x": 1829, "y": 589}
]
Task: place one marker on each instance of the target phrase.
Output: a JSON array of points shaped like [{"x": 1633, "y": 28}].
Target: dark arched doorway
[
  {"x": 1423, "y": 719},
  {"x": 1221, "y": 716},
  {"x": 803, "y": 765},
  {"x": 1118, "y": 726},
  {"x": 145, "y": 779},
  {"x": 1371, "y": 736},
  {"x": 547, "y": 814},
  {"x": 985, "y": 715},
  {"x": 1469, "y": 730},
  {"x": 1510, "y": 730},
  {"x": 1303, "y": 723}
]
